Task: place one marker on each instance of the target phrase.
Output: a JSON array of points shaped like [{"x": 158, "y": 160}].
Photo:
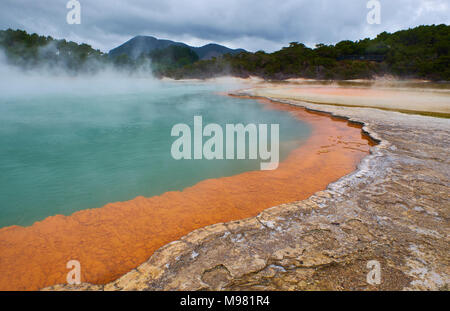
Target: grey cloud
[{"x": 250, "y": 24}]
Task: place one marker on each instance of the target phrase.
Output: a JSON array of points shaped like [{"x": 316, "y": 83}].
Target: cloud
[{"x": 250, "y": 24}]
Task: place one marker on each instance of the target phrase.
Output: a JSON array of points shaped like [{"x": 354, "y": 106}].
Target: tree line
[{"x": 421, "y": 52}]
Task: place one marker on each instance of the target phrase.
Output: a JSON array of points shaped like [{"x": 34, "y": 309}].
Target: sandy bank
[
  {"x": 409, "y": 96},
  {"x": 412, "y": 100}
]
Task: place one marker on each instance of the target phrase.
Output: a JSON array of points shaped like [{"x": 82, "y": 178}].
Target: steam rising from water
[{"x": 103, "y": 79}]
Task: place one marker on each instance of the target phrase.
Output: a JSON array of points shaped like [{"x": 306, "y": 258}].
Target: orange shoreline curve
[{"x": 112, "y": 240}]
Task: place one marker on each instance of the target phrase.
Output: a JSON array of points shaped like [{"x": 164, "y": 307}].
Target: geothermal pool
[
  {"x": 65, "y": 152},
  {"x": 107, "y": 159}
]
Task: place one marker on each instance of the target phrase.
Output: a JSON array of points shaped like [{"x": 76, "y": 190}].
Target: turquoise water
[{"x": 61, "y": 152}]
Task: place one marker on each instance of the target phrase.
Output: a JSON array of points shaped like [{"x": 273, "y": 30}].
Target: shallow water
[{"x": 63, "y": 153}]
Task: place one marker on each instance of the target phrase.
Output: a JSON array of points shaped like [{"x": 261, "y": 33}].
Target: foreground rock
[{"x": 394, "y": 209}]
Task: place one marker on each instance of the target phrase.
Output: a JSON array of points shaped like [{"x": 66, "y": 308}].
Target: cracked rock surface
[{"x": 394, "y": 209}]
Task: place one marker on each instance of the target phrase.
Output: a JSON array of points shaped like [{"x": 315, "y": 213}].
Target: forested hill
[
  {"x": 422, "y": 52},
  {"x": 146, "y": 44},
  {"x": 32, "y": 51},
  {"x": 29, "y": 51}
]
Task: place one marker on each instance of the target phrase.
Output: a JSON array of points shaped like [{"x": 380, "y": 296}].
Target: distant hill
[
  {"x": 146, "y": 44},
  {"x": 422, "y": 52}
]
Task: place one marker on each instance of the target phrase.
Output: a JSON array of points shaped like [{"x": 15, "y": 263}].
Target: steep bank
[{"x": 394, "y": 209}]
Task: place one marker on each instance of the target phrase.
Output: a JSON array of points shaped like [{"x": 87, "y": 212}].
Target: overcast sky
[{"x": 249, "y": 24}]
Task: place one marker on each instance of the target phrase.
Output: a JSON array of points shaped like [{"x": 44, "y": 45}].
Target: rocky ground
[{"x": 394, "y": 209}]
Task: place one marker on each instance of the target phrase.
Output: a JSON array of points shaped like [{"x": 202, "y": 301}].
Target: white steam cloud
[{"x": 100, "y": 78}]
